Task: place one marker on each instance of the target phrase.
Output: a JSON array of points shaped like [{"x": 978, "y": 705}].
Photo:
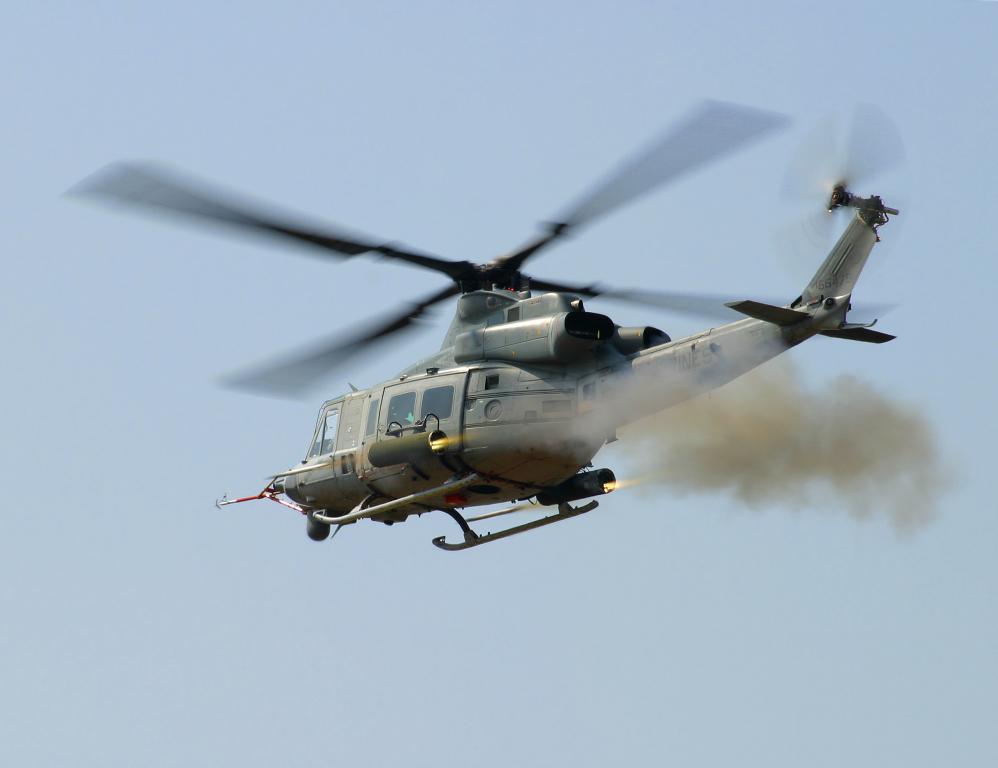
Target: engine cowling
[
  {"x": 635, "y": 339},
  {"x": 560, "y": 338}
]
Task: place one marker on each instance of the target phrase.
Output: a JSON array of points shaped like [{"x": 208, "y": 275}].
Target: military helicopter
[{"x": 528, "y": 384}]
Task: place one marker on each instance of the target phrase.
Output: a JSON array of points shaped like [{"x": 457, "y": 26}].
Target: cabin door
[{"x": 434, "y": 402}]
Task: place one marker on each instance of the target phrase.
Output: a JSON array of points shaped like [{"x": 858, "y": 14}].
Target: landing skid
[{"x": 472, "y": 539}]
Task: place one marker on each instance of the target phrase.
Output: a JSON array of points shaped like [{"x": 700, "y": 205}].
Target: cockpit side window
[
  {"x": 325, "y": 434},
  {"x": 372, "y": 417},
  {"x": 332, "y": 419},
  {"x": 316, "y": 443}
]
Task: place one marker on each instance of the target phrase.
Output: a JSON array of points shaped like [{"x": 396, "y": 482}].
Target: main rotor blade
[
  {"x": 146, "y": 186},
  {"x": 293, "y": 375},
  {"x": 710, "y": 131},
  {"x": 704, "y": 305},
  {"x": 710, "y": 306}
]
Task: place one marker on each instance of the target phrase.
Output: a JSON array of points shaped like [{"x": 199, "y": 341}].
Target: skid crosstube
[{"x": 472, "y": 539}]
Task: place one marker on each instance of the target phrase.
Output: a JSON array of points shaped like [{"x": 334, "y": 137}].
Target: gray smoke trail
[{"x": 769, "y": 441}]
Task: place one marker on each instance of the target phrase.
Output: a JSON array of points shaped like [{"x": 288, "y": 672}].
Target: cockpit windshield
[{"x": 325, "y": 433}]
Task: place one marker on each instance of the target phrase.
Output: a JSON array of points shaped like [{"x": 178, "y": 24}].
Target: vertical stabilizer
[
  {"x": 838, "y": 274},
  {"x": 841, "y": 269}
]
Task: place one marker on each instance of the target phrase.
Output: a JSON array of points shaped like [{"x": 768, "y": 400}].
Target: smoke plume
[{"x": 768, "y": 440}]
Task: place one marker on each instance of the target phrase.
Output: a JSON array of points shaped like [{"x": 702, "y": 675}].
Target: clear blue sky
[{"x": 142, "y": 626}]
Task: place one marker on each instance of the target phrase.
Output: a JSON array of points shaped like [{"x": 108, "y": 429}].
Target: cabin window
[
  {"x": 438, "y": 401},
  {"x": 372, "y": 416},
  {"x": 512, "y": 314},
  {"x": 402, "y": 409},
  {"x": 492, "y": 381},
  {"x": 589, "y": 391}
]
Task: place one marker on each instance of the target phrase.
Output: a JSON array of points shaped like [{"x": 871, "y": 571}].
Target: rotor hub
[
  {"x": 871, "y": 209},
  {"x": 839, "y": 197}
]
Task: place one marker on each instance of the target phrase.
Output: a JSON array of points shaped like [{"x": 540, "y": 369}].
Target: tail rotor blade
[
  {"x": 855, "y": 155},
  {"x": 816, "y": 166},
  {"x": 873, "y": 147}
]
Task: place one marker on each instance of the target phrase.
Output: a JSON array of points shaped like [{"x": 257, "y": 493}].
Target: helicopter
[{"x": 528, "y": 384}]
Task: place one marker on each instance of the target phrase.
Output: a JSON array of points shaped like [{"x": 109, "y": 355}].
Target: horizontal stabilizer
[
  {"x": 767, "y": 312},
  {"x": 859, "y": 334}
]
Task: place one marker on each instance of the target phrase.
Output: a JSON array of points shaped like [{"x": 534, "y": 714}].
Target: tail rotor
[{"x": 835, "y": 164}]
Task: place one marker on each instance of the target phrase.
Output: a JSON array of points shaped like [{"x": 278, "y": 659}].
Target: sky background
[{"x": 142, "y": 626}]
